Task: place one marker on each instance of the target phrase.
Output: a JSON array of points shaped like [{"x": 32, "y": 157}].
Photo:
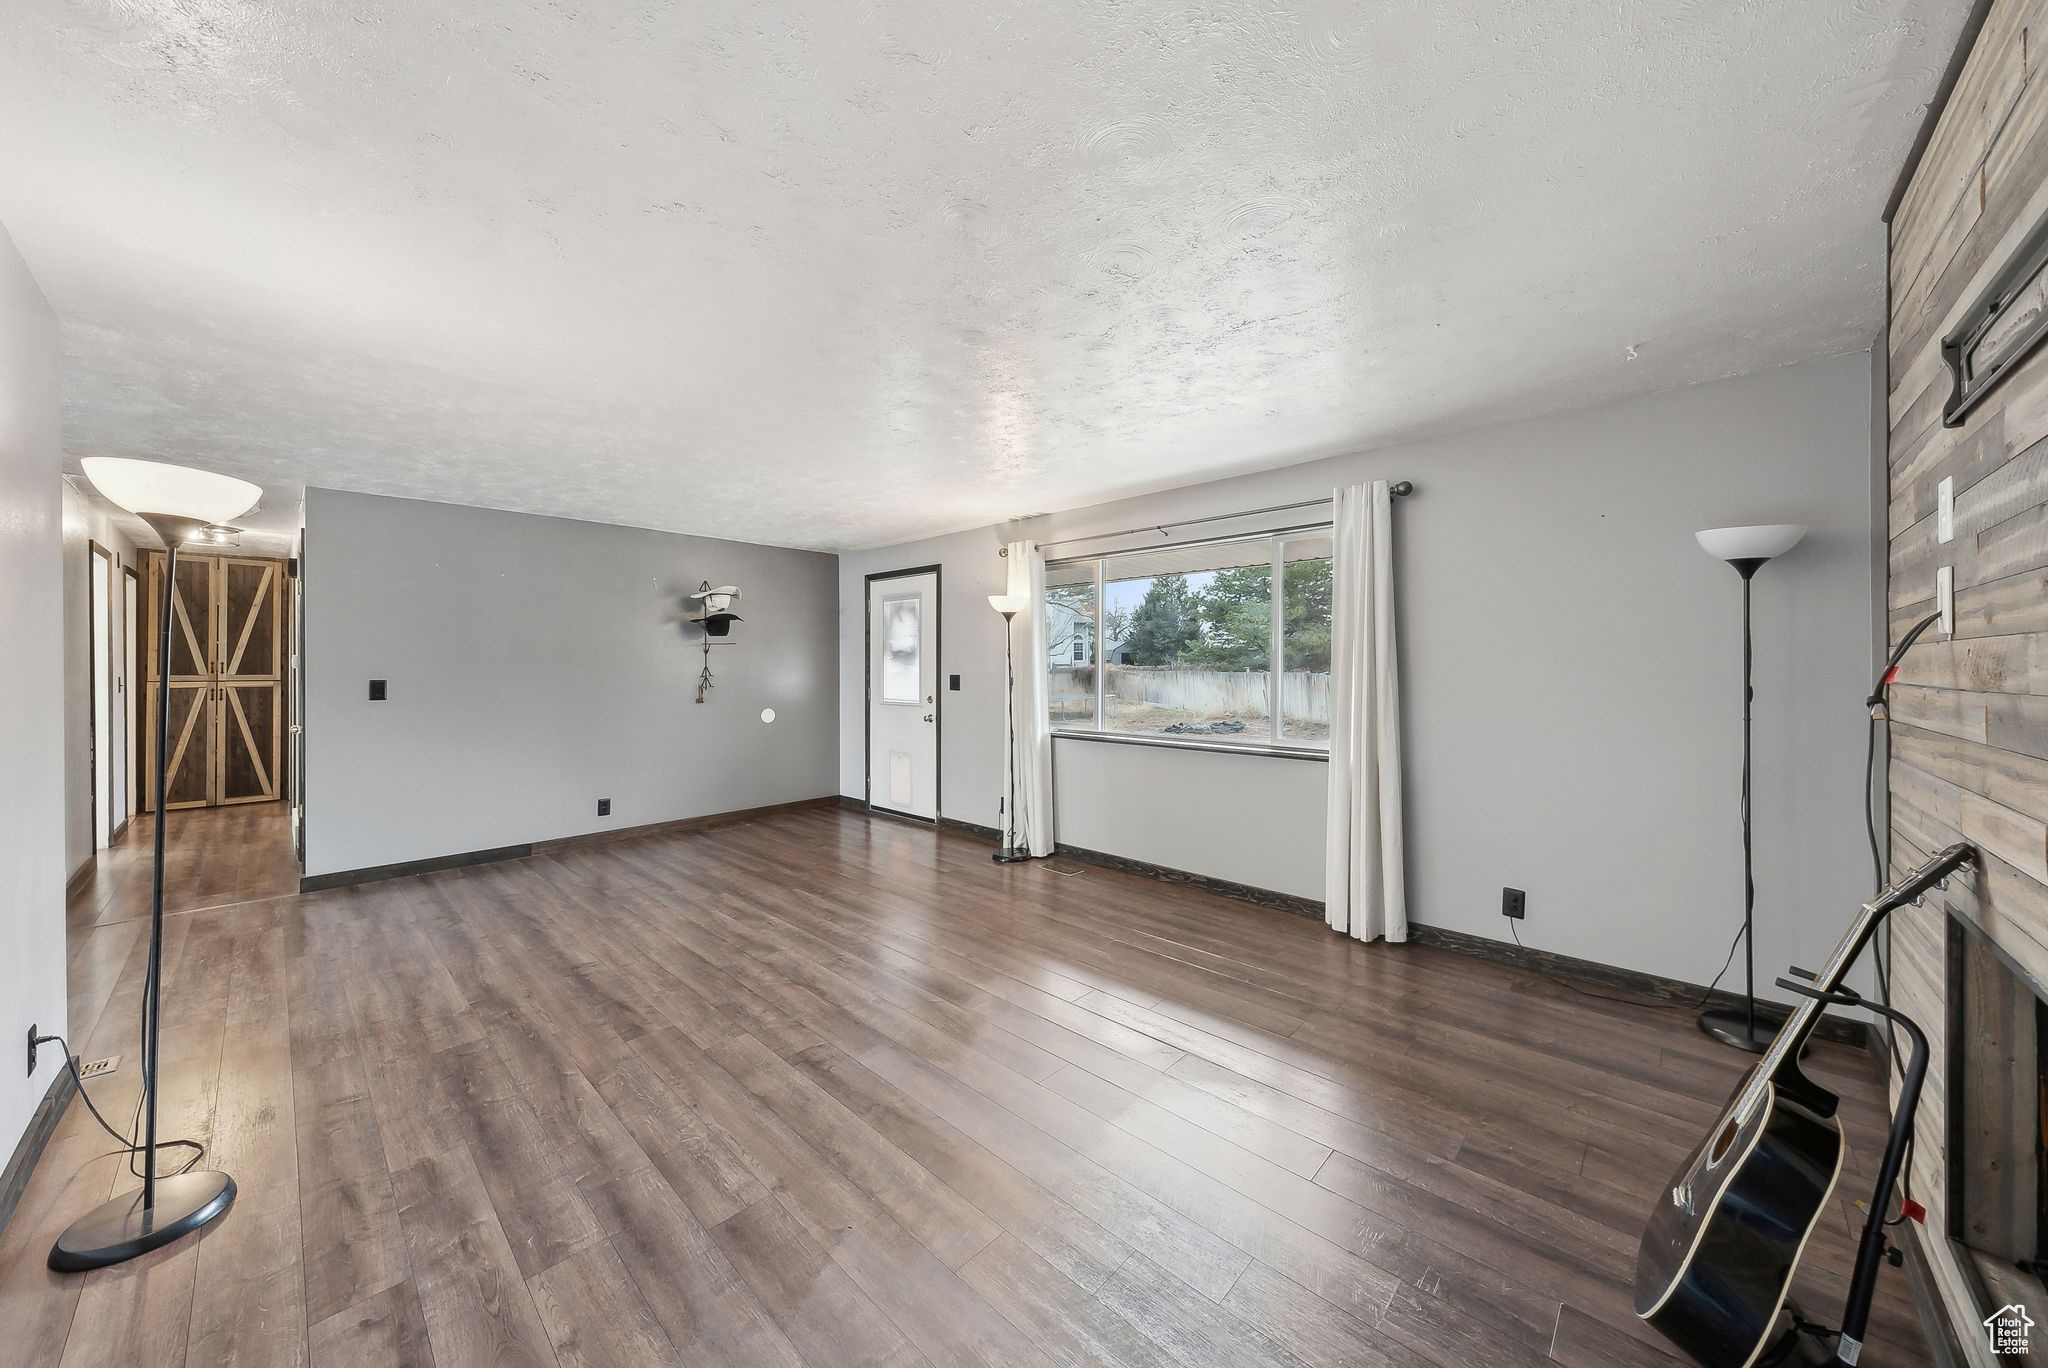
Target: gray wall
[
  {"x": 31, "y": 680},
  {"x": 87, "y": 521},
  {"x": 537, "y": 665},
  {"x": 1571, "y": 676}
]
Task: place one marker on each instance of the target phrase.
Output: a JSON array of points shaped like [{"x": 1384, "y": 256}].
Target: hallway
[{"x": 213, "y": 857}]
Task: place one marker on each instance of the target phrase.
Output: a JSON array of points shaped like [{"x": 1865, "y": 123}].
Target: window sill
[{"x": 1281, "y": 751}]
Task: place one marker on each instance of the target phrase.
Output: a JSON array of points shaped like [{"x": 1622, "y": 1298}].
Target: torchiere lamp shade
[
  {"x": 1009, "y": 605},
  {"x": 144, "y": 487},
  {"x": 1759, "y": 543}
]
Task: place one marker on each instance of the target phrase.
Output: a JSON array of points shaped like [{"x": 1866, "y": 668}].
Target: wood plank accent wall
[{"x": 1969, "y": 731}]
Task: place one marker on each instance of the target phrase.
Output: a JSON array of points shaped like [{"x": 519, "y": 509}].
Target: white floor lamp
[
  {"x": 1009, "y": 605},
  {"x": 180, "y": 505},
  {"x": 1747, "y": 549}
]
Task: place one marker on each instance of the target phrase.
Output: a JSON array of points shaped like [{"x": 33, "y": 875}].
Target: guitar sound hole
[{"x": 1721, "y": 1143}]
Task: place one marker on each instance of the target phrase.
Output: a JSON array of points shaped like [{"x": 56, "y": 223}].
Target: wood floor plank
[
  {"x": 1314, "y": 1330},
  {"x": 1068, "y": 1324},
  {"x": 944, "y": 1221},
  {"x": 816, "y": 1303},
  {"x": 825, "y": 1200},
  {"x": 1190, "y": 1328},
  {"x": 706, "y": 1308},
  {"x": 1073, "y": 1244},
  {"x": 475, "y": 1301},
  {"x": 679, "y": 1142},
  {"x": 37, "y": 1307},
  {"x": 945, "y": 1318},
  {"x": 595, "y": 1316},
  {"x": 353, "y": 1247},
  {"x": 386, "y": 1329}
]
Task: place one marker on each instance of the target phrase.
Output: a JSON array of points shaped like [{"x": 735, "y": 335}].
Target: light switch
[{"x": 1945, "y": 510}]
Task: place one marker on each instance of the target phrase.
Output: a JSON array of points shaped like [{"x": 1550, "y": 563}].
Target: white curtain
[
  {"x": 1030, "y": 753},
  {"x": 1365, "y": 880}
]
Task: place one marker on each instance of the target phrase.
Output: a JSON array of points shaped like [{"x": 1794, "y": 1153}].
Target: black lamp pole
[
  {"x": 174, "y": 1206},
  {"x": 1741, "y": 1029}
]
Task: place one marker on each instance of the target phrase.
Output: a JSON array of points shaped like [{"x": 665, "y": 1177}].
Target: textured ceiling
[{"x": 839, "y": 273}]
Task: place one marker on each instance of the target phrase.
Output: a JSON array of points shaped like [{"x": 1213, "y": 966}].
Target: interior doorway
[
  {"x": 104, "y": 682},
  {"x": 131, "y": 653},
  {"x": 903, "y": 692}
]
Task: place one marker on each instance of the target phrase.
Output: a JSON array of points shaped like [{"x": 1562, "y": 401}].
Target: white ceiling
[{"x": 839, "y": 273}]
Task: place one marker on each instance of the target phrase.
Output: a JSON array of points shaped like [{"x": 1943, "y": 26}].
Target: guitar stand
[{"x": 1803, "y": 1339}]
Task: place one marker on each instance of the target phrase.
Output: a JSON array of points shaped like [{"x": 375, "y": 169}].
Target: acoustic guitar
[{"x": 1721, "y": 1245}]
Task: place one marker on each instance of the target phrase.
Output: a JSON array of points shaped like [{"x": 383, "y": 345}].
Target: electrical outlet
[
  {"x": 1514, "y": 903},
  {"x": 377, "y": 691},
  {"x": 1945, "y": 598},
  {"x": 1945, "y": 510},
  {"x": 34, "y": 1037},
  {"x": 604, "y": 807}
]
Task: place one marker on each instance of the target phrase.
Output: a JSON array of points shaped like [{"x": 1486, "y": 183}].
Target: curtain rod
[{"x": 1400, "y": 489}]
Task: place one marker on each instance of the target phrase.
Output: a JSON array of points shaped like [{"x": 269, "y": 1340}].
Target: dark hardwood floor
[{"x": 825, "y": 1090}]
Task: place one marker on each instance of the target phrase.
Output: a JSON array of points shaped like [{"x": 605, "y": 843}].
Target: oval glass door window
[{"x": 767, "y": 714}]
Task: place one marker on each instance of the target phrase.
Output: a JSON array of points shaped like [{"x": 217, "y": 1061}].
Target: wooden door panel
[
  {"x": 250, "y": 619},
  {"x": 251, "y": 734},
  {"x": 191, "y": 619},
  {"x": 192, "y": 732}
]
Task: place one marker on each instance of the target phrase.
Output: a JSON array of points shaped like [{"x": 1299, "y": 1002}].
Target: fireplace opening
[{"x": 1998, "y": 1117}]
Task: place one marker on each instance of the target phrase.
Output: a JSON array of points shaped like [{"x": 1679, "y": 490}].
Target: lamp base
[
  {"x": 1011, "y": 855},
  {"x": 1731, "y": 1027},
  {"x": 120, "y": 1230}
]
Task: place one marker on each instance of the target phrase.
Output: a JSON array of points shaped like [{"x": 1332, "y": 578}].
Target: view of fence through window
[{"x": 1181, "y": 641}]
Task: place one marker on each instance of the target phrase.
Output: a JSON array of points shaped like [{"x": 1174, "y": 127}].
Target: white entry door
[{"x": 903, "y": 693}]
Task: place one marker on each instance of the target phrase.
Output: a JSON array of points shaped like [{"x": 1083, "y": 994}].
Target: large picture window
[{"x": 1223, "y": 641}]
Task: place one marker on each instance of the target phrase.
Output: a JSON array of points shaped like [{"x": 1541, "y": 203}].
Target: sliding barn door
[{"x": 226, "y": 677}]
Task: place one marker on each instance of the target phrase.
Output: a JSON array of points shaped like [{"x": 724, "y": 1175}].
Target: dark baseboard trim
[
  {"x": 1261, "y": 897},
  {"x": 81, "y": 874},
  {"x": 974, "y": 829},
  {"x": 42, "y": 1124},
  {"x": 678, "y": 826},
  {"x": 348, "y": 878},
  {"x": 1654, "y": 987}
]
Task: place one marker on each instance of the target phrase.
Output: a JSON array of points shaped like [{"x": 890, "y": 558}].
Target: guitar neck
[{"x": 1792, "y": 1036}]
